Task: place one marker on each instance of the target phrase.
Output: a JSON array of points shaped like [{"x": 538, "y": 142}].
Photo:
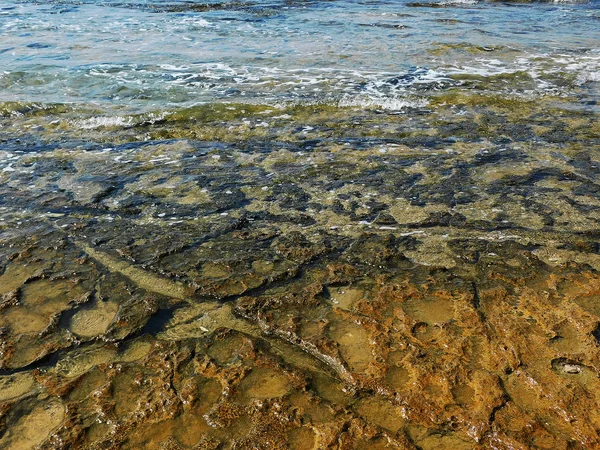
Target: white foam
[
  {"x": 174, "y": 68},
  {"x": 118, "y": 121},
  {"x": 202, "y": 23},
  {"x": 458, "y": 2},
  {"x": 98, "y": 122},
  {"x": 390, "y": 104},
  {"x": 539, "y": 66},
  {"x": 586, "y": 67}
]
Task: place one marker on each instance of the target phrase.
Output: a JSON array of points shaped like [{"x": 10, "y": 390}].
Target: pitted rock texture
[{"x": 200, "y": 283}]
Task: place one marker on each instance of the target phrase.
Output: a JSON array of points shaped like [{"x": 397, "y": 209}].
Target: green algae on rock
[{"x": 204, "y": 281}]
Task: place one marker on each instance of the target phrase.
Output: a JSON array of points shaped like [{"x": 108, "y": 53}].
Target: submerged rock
[{"x": 347, "y": 290}]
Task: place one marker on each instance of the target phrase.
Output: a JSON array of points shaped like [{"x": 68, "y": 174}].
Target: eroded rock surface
[{"x": 203, "y": 283}]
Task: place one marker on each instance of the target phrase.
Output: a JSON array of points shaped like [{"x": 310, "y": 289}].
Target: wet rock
[
  {"x": 34, "y": 426},
  {"x": 356, "y": 286},
  {"x": 567, "y": 366},
  {"x": 9, "y": 299}
]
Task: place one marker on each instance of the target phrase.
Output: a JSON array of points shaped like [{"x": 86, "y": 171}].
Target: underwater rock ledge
[{"x": 202, "y": 281}]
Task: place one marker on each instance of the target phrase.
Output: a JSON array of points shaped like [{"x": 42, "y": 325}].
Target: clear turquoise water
[{"x": 147, "y": 55}]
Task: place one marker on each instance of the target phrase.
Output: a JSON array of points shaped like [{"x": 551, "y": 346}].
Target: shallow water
[
  {"x": 152, "y": 55},
  {"x": 299, "y": 225}
]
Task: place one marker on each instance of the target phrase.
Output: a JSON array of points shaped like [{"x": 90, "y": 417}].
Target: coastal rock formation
[{"x": 429, "y": 289}]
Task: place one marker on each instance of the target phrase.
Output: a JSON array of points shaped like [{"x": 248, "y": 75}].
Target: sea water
[
  {"x": 299, "y": 224},
  {"x": 144, "y": 55}
]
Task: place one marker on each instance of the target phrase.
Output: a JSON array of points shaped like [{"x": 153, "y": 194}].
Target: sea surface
[
  {"x": 299, "y": 224},
  {"x": 156, "y": 56}
]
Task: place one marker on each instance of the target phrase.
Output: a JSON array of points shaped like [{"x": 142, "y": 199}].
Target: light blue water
[{"x": 153, "y": 54}]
